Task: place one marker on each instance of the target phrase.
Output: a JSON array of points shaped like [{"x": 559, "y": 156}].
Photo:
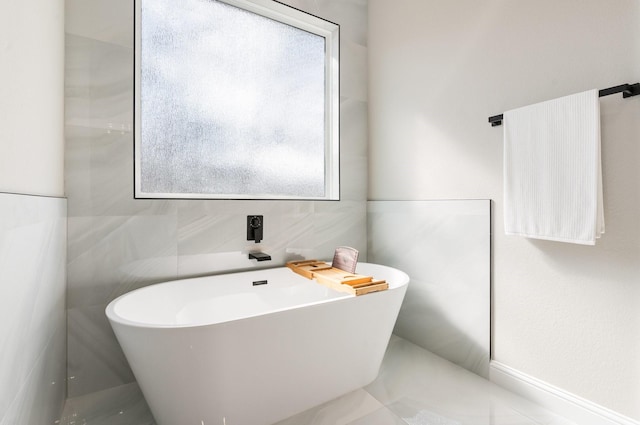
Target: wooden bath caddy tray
[{"x": 337, "y": 279}]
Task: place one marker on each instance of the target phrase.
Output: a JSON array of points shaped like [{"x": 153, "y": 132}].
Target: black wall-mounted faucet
[{"x": 254, "y": 228}]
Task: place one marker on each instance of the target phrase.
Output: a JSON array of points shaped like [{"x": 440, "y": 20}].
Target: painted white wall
[
  {"x": 566, "y": 314},
  {"x": 32, "y": 98}
]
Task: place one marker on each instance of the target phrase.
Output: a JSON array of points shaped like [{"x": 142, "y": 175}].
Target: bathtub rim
[{"x": 115, "y": 318}]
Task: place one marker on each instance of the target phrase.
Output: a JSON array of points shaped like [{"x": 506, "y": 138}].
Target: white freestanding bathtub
[{"x": 220, "y": 351}]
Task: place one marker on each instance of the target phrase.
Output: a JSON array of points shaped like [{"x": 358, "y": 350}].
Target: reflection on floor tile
[
  {"x": 382, "y": 416},
  {"x": 415, "y": 413},
  {"x": 423, "y": 389},
  {"x": 414, "y": 387},
  {"x": 341, "y": 411},
  {"x": 123, "y": 405}
]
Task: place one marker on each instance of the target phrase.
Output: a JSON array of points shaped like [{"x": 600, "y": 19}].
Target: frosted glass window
[{"x": 235, "y": 99}]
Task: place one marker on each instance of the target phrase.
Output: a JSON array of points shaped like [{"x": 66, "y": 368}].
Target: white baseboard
[{"x": 561, "y": 402}]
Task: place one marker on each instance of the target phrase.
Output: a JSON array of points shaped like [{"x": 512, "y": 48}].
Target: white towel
[{"x": 552, "y": 170}]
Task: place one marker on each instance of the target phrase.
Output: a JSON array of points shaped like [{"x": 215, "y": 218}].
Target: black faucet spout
[{"x": 260, "y": 256}]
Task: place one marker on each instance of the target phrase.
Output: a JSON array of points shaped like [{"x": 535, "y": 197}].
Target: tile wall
[
  {"x": 444, "y": 247},
  {"x": 32, "y": 301},
  {"x": 116, "y": 243}
]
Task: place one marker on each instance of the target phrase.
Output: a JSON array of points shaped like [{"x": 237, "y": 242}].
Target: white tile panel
[
  {"x": 32, "y": 307},
  {"x": 444, "y": 246}
]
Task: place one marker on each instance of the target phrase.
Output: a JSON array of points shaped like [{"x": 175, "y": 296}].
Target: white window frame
[{"x": 287, "y": 15}]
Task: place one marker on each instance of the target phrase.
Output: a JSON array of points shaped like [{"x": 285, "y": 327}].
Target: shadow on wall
[{"x": 425, "y": 323}]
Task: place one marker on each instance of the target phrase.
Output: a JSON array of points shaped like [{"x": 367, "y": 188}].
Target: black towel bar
[{"x": 627, "y": 90}]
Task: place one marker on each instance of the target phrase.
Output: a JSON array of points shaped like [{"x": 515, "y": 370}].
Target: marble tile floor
[{"x": 414, "y": 387}]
